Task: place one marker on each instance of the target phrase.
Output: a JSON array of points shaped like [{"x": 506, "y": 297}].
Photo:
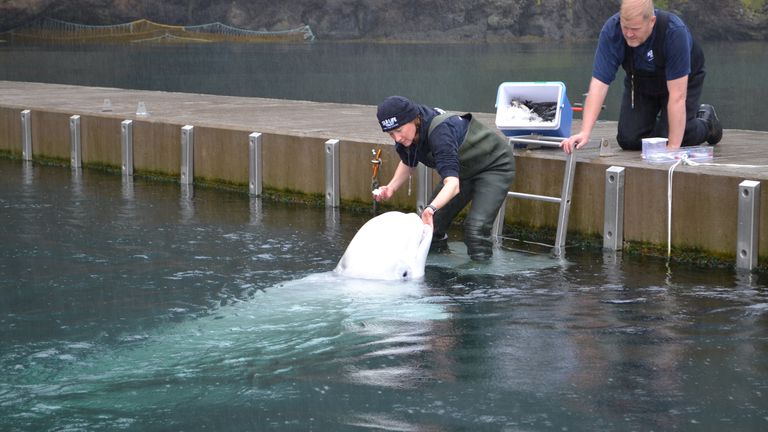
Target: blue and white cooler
[{"x": 513, "y": 98}]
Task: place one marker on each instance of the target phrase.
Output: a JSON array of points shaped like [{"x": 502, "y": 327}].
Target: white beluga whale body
[{"x": 390, "y": 246}]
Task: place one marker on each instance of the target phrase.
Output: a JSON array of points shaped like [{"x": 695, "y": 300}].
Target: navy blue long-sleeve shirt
[{"x": 440, "y": 149}]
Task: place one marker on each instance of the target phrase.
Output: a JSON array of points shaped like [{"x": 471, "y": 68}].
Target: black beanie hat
[{"x": 396, "y": 111}]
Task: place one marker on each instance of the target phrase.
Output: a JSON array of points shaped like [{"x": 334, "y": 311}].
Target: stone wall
[{"x": 425, "y": 20}]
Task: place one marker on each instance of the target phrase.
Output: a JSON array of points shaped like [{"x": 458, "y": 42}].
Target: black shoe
[
  {"x": 439, "y": 244},
  {"x": 708, "y": 114}
]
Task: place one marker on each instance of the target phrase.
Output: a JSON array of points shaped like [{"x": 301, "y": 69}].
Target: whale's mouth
[
  {"x": 426, "y": 235},
  {"x": 424, "y": 245}
]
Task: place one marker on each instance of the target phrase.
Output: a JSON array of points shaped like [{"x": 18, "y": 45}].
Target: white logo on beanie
[{"x": 388, "y": 123}]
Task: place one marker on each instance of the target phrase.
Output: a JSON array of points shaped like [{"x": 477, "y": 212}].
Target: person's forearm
[
  {"x": 678, "y": 91},
  {"x": 450, "y": 189},
  {"x": 676, "y": 112}
]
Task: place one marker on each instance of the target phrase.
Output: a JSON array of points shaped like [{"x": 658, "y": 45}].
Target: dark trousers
[
  {"x": 649, "y": 117},
  {"x": 487, "y": 192}
]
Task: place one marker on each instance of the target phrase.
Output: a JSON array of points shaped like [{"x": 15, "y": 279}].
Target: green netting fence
[{"x": 55, "y": 31}]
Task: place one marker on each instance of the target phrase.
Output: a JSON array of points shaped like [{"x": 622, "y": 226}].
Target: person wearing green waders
[{"x": 474, "y": 162}]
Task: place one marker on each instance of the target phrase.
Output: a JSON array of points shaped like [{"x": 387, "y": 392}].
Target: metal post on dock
[
  {"x": 187, "y": 155},
  {"x": 332, "y": 173},
  {"x": 254, "y": 164},
  {"x": 423, "y": 186},
  {"x": 75, "y": 154},
  {"x": 749, "y": 225},
  {"x": 126, "y": 147},
  {"x": 26, "y": 135},
  {"x": 613, "y": 223}
]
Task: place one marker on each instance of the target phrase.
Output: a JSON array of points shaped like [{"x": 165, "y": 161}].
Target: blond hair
[{"x": 633, "y": 8}]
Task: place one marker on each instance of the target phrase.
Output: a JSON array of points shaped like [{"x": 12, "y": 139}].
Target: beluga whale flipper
[{"x": 390, "y": 246}]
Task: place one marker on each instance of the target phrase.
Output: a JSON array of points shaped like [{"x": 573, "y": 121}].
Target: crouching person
[{"x": 474, "y": 162}]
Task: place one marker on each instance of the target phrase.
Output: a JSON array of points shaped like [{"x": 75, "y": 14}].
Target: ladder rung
[
  {"x": 534, "y": 197},
  {"x": 545, "y": 141},
  {"x": 564, "y": 200}
]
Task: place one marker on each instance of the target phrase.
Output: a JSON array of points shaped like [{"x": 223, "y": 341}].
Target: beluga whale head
[{"x": 391, "y": 246}]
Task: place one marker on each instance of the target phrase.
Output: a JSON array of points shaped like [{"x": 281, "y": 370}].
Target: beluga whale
[{"x": 390, "y": 246}]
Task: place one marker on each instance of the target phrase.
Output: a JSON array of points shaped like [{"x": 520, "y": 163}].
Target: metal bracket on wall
[
  {"x": 749, "y": 225},
  {"x": 254, "y": 165},
  {"x": 126, "y": 147},
  {"x": 613, "y": 222},
  {"x": 332, "y": 174},
  {"x": 187, "y": 155},
  {"x": 76, "y": 152},
  {"x": 26, "y": 135}
]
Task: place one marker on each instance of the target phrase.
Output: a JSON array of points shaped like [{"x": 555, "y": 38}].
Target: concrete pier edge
[{"x": 293, "y": 133}]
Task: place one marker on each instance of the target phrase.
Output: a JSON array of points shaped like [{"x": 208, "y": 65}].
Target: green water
[
  {"x": 462, "y": 77},
  {"x": 133, "y": 306}
]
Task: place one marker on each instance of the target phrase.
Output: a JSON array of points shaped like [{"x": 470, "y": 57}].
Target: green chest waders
[
  {"x": 482, "y": 149},
  {"x": 487, "y": 169}
]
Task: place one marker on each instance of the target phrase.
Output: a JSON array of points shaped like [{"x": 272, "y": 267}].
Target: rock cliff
[{"x": 401, "y": 20}]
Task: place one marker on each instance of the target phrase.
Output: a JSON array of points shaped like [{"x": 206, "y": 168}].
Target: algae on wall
[{"x": 755, "y": 5}]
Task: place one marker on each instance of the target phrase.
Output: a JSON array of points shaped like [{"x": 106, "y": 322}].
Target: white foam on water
[{"x": 281, "y": 330}]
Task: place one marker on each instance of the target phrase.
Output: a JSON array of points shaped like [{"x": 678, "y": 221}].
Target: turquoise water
[
  {"x": 132, "y": 306},
  {"x": 453, "y": 76}
]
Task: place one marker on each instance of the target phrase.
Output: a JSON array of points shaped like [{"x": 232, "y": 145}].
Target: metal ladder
[{"x": 564, "y": 199}]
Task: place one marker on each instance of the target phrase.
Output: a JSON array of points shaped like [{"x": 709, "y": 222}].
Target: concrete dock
[{"x": 706, "y": 199}]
